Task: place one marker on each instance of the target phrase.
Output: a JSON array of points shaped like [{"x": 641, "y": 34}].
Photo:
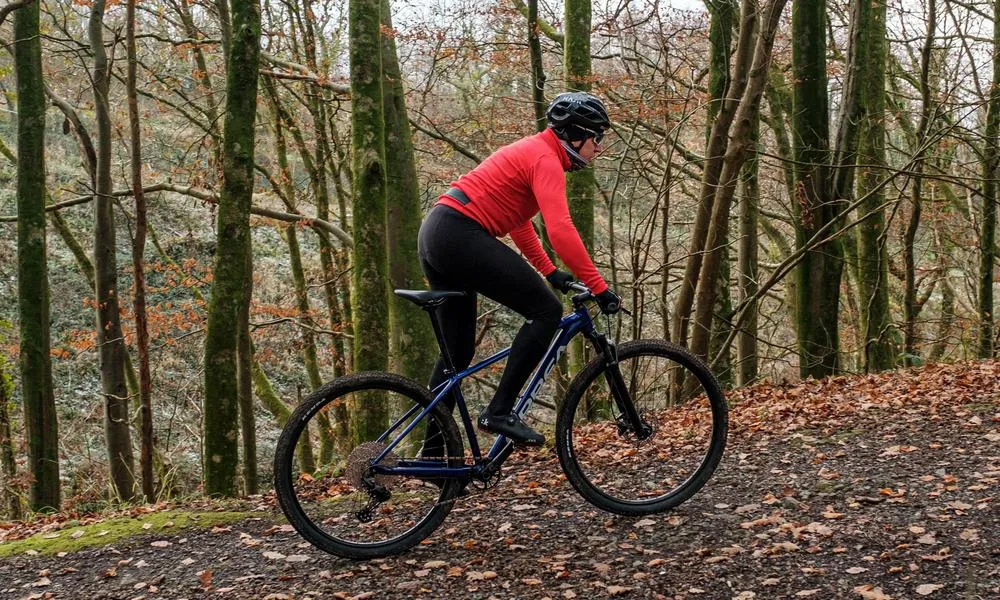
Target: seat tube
[{"x": 442, "y": 344}]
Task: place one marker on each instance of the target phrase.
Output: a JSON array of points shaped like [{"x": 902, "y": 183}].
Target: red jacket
[{"x": 511, "y": 186}]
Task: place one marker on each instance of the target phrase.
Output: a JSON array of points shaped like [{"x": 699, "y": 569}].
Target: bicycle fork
[{"x": 629, "y": 419}]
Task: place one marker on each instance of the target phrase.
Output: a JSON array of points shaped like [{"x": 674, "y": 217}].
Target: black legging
[{"x": 456, "y": 253}]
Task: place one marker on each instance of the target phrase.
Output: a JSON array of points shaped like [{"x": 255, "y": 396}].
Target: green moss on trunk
[
  {"x": 231, "y": 269},
  {"x": 371, "y": 314},
  {"x": 32, "y": 266}
]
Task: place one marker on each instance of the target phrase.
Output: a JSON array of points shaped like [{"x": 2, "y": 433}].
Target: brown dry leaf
[
  {"x": 869, "y": 592},
  {"x": 616, "y": 590},
  {"x": 455, "y": 572},
  {"x": 928, "y": 588},
  {"x": 435, "y": 564},
  {"x": 205, "y": 577},
  {"x": 531, "y": 581}
]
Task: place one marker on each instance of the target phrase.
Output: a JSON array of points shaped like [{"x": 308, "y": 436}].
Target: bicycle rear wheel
[
  {"x": 683, "y": 439},
  {"x": 333, "y": 498}
]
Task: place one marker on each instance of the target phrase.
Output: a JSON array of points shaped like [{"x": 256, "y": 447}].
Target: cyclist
[{"x": 459, "y": 250}]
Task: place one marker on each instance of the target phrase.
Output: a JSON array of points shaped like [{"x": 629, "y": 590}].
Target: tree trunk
[
  {"x": 138, "y": 254},
  {"x": 988, "y": 220},
  {"x": 231, "y": 254},
  {"x": 718, "y": 141},
  {"x": 109, "y": 330},
  {"x": 879, "y": 352},
  {"x": 40, "y": 426},
  {"x": 371, "y": 318},
  {"x": 244, "y": 366},
  {"x": 10, "y": 498},
  {"x": 580, "y": 184},
  {"x": 818, "y": 274},
  {"x": 911, "y": 354},
  {"x": 537, "y": 71},
  {"x": 746, "y": 341},
  {"x": 412, "y": 339},
  {"x": 752, "y": 82}
]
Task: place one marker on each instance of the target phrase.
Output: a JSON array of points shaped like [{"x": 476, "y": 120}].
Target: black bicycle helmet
[{"x": 577, "y": 115}]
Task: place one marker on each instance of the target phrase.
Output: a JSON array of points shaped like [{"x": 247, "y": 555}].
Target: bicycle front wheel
[
  {"x": 325, "y": 472},
  {"x": 681, "y": 440}
]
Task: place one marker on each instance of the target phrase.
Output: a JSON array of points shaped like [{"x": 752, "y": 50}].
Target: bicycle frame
[{"x": 578, "y": 321}]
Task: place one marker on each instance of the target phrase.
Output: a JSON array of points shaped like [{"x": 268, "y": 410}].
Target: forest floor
[{"x": 872, "y": 487}]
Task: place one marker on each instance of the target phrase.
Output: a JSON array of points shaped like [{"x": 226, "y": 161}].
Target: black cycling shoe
[{"x": 511, "y": 426}]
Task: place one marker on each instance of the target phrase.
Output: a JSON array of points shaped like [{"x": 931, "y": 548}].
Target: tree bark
[
  {"x": 537, "y": 70},
  {"x": 10, "y": 498},
  {"x": 110, "y": 340},
  {"x": 138, "y": 254},
  {"x": 718, "y": 142},
  {"x": 911, "y": 354},
  {"x": 878, "y": 351},
  {"x": 752, "y": 82},
  {"x": 371, "y": 339},
  {"x": 746, "y": 341},
  {"x": 231, "y": 254},
  {"x": 412, "y": 339},
  {"x": 35, "y": 363},
  {"x": 988, "y": 218},
  {"x": 818, "y": 273},
  {"x": 580, "y": 184}
]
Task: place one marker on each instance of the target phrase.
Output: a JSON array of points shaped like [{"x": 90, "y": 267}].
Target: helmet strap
[{"x": 576, "y": 160}]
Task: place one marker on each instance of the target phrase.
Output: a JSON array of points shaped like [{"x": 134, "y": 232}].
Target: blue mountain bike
[{"x": 628, "y": 439}]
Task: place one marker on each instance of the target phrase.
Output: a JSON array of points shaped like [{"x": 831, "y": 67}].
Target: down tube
[{"x": 568, "y": 328}]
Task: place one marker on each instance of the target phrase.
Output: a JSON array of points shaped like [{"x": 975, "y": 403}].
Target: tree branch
[
  {"x": 207, "y": 196},
  {"x": 6, "y": 10}
]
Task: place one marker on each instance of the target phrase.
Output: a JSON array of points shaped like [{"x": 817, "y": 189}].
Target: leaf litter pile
[{"x": 871, "y": 487}]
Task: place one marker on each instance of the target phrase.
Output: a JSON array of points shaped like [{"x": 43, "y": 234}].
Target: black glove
[
  {"x": 560, "y": 280},
  {"x": 609, "y": 302}
]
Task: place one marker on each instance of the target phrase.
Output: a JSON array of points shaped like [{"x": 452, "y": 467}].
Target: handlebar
[{"x": 584, "y": 294}]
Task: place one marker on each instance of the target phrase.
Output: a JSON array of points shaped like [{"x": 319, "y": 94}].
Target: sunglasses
[{"x": 597, "y": 136}]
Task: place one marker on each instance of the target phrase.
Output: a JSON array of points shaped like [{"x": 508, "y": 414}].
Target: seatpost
[{"x": 449, "y": 367}]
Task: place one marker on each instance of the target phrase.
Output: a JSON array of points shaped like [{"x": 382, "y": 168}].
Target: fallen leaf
[
  {"x": 645, "y": 523},
  {"x": 161, "y": 544},
  {"x": 435, "y": 564},
  {"x": 78, "y": 534},
  {"x": 928, "y": 588},
  {"x": 615, "y": 590},
  {"x": 531, "y": 581},
  {"x": 869, "y": 592},
  {"x": 205, "y": 577},
  {"x": 807, "y": 592},
  {"x": 856, "y": 570},
  {"x": 274, "y": 555},
  {"x": 297, "y": 558}
]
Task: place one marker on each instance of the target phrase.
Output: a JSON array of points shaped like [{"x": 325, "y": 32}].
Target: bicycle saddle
[{"x": 427, "y": 298}]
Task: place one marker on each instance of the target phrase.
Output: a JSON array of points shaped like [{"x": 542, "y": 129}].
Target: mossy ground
[{"x": 72, "y": 538}]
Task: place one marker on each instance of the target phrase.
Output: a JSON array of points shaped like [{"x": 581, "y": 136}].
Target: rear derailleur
[{"x": 377, "y": 495}]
